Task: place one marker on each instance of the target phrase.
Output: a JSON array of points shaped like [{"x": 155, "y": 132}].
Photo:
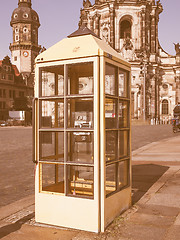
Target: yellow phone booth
[{"x": 81, "y": 133}]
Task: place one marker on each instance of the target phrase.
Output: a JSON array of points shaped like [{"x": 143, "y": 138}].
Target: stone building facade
[
  {"x": 131, "y": 28},
  {"x": 12, "y": 87}
]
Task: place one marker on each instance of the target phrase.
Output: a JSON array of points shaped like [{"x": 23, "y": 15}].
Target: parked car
[{"x": 3, "y": 123}]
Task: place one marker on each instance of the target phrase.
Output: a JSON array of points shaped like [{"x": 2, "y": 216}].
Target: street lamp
[{"x": 143, "y": 67}]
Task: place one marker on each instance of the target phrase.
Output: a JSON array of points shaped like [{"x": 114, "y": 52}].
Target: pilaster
[{"x": 112, "y": 26}]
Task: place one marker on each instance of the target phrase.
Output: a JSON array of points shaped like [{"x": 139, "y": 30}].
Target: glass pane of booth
[
  {"x": 52, "y": 81},
  {"x": 123, "y": 144},
  {"x": 122, "y": 83},
  {"x": 52, "y": 146},
  {"x": 80, "y": 147},
  {"x": 52, "y": 113},
  {"x": 110, "y": 113},
  {"x": 123, "y": 171},
  {"x": 80, "y": 78},
  {"x": 123, "y": 114},
  {"x": 111, "y": 173},
  {"x": 80, "y": 113},
  {"x": 111, "y": 79},
  {"x": 81, "y": 180},
  {"x": 52, "y": 177},
  {"x": 111, "y": 145}
]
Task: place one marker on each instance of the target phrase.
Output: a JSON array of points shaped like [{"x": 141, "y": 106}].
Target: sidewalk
[{"x": 155, "y": 214}]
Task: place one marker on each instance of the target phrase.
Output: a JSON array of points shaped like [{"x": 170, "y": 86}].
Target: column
[
  {"x": 96, "y": 27},
  {"x": 153, "y": 34},
  {"x": 143, "y": 30},
  {"x": 112, "y": 38},
  {"x": 91, "y": 23}
]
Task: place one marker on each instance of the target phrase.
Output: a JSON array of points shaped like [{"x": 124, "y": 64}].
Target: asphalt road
[{"x": 17, "y": 168}]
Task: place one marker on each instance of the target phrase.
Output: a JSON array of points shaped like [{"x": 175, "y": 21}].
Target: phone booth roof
[{"x": 80, "y": 46}]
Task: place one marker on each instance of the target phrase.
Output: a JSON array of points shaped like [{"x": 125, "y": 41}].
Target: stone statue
[
  {"x": 86, "y": 3},
  {"x": 128, "y": 44},
  {"x": 177, "y": 48}
]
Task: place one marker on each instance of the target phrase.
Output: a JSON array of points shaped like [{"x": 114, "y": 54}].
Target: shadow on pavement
[
  {"x": 143, "y": 177},
  {"x": 6, "y": 230}
]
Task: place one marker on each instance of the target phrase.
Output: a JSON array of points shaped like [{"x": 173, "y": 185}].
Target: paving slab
[
  {"x": 19, "y": 231},
  {"x": 159, "y": 210},
  {"x": 173, "y": 233},
  {"x": 133, "y": 231},
  {"x": 169, "y": 200},
  {"x": 16, "y": 206},
  {"x": 152, "y": 219}
]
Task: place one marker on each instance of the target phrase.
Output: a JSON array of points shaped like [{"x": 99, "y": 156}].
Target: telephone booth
[{"x": 81, "y": 133}]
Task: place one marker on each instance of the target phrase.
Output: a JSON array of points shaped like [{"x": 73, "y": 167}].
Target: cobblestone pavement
[
  {"x": 17, "y": 168},
  {"x": 143, "y": 135}
]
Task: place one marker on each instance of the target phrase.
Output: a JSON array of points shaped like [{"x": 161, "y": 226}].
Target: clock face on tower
[{"x": 25, "y": 54}]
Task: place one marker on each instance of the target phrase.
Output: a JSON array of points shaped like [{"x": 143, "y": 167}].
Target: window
[
  {"x": 10, "y": 77},
  {"x": 80, "y": 147},
  {"x": 3, "y": 76},
  {"x": 66, "y": 130},
  {"x": 80, "y": 112},
  {"x": 10, "y": 93},
  {"x": 110, "y": 80},
  {"x": 80, "y": 78},
  {"x": 125, "y": 29},
  {"x": 21, "y": 94},
  {"x": 25, "y": 15},
  {"x": 16, "y": 38},
  {"x": 52, "y": 82},
  {"x": 25, "y": 29},
  {"x": 52, "y": 178},
  {"x": 52, "y": 114},
  {"x": 165, "y": 86},
  {"x": 123, "y": 84},
  {"x": 117, "y": 126},
  {"x": 4, "y": 93},
  {"x": 15, "y": 58},
  {"x": 2, "y": 105},
  {"x": 52, "y": 146},
  {"x": 165, "y": 107},
  {"x": 0, "y": 93},
  {"x": 14, "y": 94}
]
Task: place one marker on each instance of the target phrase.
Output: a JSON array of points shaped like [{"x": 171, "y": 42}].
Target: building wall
[
  {"x": 12, "y": 86},
  {"x": 151, "y": 65}
]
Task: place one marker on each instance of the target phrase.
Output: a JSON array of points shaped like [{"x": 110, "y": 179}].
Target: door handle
[{"x": 34, "y": 130}]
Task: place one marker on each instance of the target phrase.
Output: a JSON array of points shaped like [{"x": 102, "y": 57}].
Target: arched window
[
  {"x": 165, "y": 107},
  {"x": 125, "y": 29}
]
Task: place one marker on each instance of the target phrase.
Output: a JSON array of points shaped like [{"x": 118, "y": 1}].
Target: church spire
[{"x": 26, "y": 3}]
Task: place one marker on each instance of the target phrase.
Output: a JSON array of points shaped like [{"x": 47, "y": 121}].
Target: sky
[{"x": 59, "y": 18}]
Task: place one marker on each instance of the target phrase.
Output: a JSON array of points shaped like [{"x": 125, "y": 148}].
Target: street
[{"x": 17, "y": 168}]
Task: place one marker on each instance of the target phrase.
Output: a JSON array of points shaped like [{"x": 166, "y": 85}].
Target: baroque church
[{"x": 131, "y": 28}]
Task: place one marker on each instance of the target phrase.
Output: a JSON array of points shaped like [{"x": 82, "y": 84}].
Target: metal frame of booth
[{"x": 82, "y": 139}]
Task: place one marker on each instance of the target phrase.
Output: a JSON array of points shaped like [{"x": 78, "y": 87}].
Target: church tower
[{"x": 25, "y": 48}]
